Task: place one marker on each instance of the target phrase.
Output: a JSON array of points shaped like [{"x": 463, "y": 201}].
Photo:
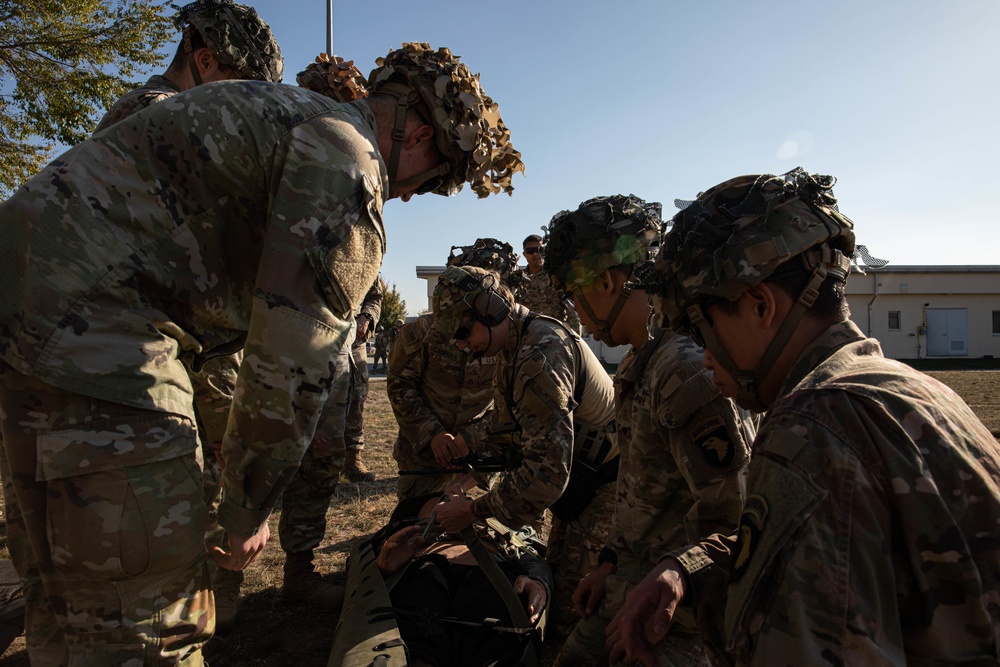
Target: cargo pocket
[{"x": 123, "y": 511}]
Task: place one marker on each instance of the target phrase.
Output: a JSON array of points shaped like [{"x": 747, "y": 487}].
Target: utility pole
[{"x": 329, "y": 27}]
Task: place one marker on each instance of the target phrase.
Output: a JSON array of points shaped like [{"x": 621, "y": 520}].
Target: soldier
[
  {"x": 221, "y": 40},
  {"x": 539, "y": 296},
  {"x": 354, "y": 435},
  {"x": 684, "y": 446},
  {"x": 171, "y": 237},
  {"x": 435, "y": 389},
  {"x": 381, "y": 351},
  {"x": 553, "y": 405},
  {"x": 870, "y": 533}
]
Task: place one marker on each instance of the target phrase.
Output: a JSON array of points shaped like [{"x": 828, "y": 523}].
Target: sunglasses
[
  {"x": 430, "y": 185},
  {"x": 537, "y": 249},
  {"x": 463, "y": 332}
]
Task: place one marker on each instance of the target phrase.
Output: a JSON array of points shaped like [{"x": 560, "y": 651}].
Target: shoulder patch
[
  {"x": 748, "y": 534},
  {"x": 713, "y": 438}
]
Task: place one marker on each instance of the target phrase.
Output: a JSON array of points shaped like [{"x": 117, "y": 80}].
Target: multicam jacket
[
  {"x": 433, "y": 387},
  {"x": 236, "y": 215},
  {"x": 870, "y": 531},
  {"x": 539, "y": 296},
  {"x": 684, "y": 451},
  {"x": 534, "y": 409},
  {"x": 157, "y": 89}
]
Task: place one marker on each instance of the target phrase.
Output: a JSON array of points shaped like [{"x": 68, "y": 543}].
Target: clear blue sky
[{"x": 897, "y": 98}]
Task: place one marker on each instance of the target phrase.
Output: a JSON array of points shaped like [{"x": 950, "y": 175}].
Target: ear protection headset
[{"x": 488, "y": 306}]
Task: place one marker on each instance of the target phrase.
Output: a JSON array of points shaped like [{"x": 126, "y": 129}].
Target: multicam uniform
[
  {"x": 197, "y": 240},
  {"x": 548, "y": 384},
  {"x": 381, "y": 352},
  {"x": 157, "y": 89},
  {"x": 433, "y": 387},
  {"x": 539, "y": 296},
  {"x": 870, "y": 532},
  {"x": 684, "y": 450},
  {"x": 215, "y": 383}
]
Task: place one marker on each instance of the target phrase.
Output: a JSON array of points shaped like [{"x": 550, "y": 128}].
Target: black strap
[{"x": 503, "y": 588}]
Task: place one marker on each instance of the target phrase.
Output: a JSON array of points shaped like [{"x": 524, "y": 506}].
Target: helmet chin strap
[
  {"x": 748, "y": 382},
  {"x": 604, "y": 326},
  {"x": 189, "y": 56}
]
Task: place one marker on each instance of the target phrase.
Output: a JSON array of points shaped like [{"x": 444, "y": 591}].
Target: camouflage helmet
[
  {"x": 466, "y": 288},
  {"x": 469, "y": 132},
  {"x": 602, "y": 233},
  {"x": 494, "y": 255},
  {"x": 738, "y": 234},
  {"x": 399, "y": 321},
  {"x": 334, "y": 77},
  {"x": 236, "y": 35}
]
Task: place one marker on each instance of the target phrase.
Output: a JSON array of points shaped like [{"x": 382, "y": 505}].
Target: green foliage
[
  {"x": 393, "y": 308},
  {"x": 62, "y": 64}
]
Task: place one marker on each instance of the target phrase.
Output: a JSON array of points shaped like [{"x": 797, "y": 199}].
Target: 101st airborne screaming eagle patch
[{"x": 713, "y": 438}]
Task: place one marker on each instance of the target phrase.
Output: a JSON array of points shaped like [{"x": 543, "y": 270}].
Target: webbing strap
[{"x": 503, "y": 588}]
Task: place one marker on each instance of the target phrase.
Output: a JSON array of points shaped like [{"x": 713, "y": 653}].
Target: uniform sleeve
[
  {"x": 407, "y": 361},
  {"x": 213, "y": 388},
  {"x": 372, "y": 306},
  {"x": 710, "y": 441},
  {"x": 322, "y": 249},
  {"x": 543, "y": 406}
]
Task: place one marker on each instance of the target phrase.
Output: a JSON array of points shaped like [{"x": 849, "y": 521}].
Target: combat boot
[
  {"x": 303, "y": 584},
  {"x": 355, "y": 469},
  {"x": 227, "y": 595}
]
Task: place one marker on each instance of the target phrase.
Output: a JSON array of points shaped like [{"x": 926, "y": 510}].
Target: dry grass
[{"x": 273, "y": 633}]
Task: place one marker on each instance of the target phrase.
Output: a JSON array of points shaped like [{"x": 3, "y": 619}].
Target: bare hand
[
  {"x": 217, "y": 450},
  {"x": 446, "y": 447},
  {"x": 454, "y": 513},
  {"x": 591, "y": 590},
  {"x": 400, "y": 549},
  {"x": 647, "y": 614},
  {"x": 534, "y": 592},
  {"x": 242, "y": 550}
]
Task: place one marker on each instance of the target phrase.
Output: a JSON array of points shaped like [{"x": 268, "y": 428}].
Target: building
[{"x": 916, "y": 312}]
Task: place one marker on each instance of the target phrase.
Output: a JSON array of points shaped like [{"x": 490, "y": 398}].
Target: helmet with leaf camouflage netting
[
  {"x": 469, "y": 132},
  {"x": 334, "y": 77},
  {"x": 236, "y": 35}
]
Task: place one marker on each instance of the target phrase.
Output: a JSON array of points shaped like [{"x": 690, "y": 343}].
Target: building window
[
  {"x": 894, "y": 320},
  {"x": 996, "y": 322}
]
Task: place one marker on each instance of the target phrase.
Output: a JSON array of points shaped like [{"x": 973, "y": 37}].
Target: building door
[{"x": 947, "y": 332}]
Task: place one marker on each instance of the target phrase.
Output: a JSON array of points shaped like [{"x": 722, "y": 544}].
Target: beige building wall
[{"x": 935, "y": 309}]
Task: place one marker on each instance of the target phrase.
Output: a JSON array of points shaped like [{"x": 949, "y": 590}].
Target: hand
[
  {"x": 591, "y": 589},
  {"x": 454, "y": 513},
  {"x": 647, "y": 614},
  {"x": 217, "y": 450},
  {"x": 242, "y": 550},
  {"x": 400, "y": 549},
  {"x": 364, "y": 324},
  {"x": 446, "y": 447},
  {"x": 534, "y": 594}
]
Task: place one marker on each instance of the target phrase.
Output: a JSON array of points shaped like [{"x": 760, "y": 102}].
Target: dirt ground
[{"x": 275, "y": 634}]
